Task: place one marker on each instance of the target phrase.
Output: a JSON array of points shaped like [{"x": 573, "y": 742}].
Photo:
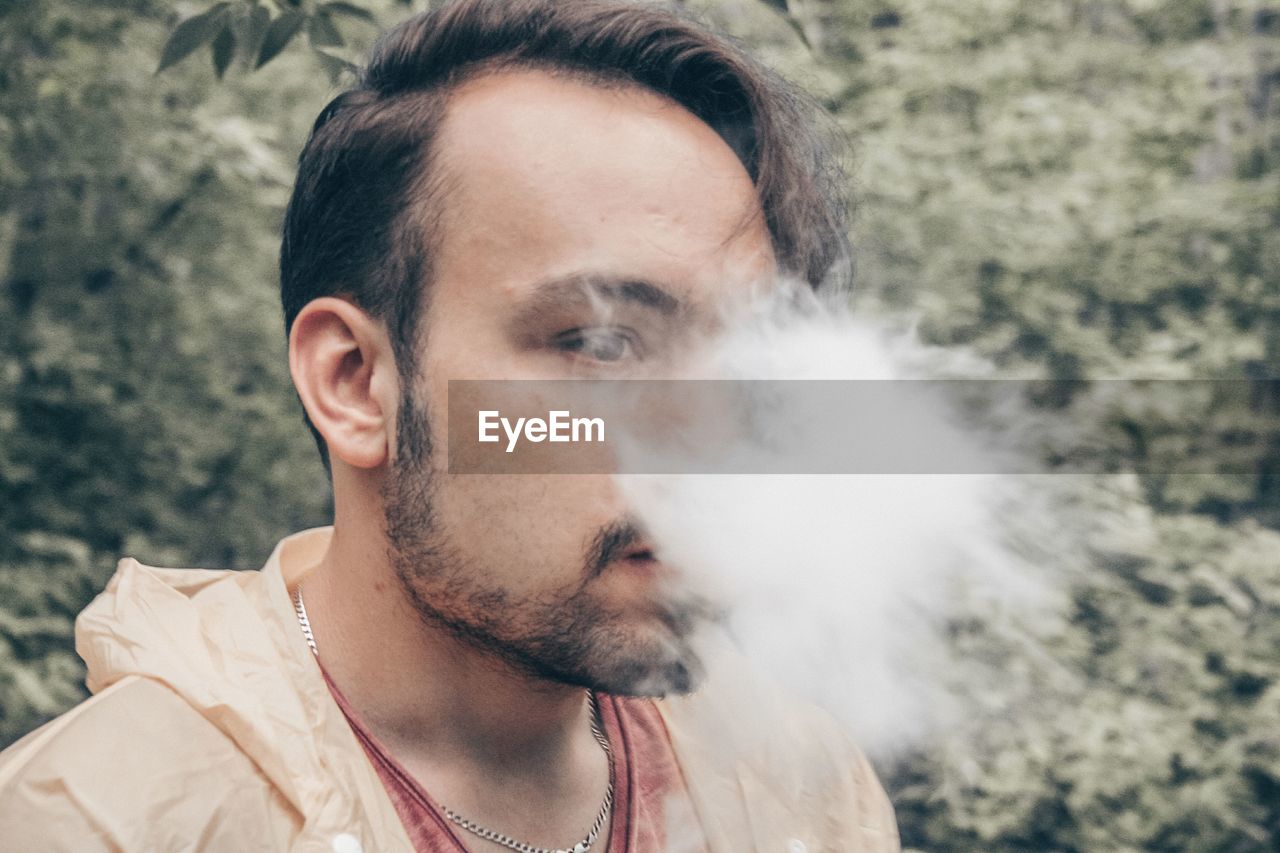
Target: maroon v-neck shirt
[{"x": 649, "y": 795}]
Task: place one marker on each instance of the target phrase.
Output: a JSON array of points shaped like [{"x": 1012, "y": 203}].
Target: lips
[
  {"x": 646, "y": 563},
  {"x": 640, "y": 553},
  {"x": 625, "y": 544}
]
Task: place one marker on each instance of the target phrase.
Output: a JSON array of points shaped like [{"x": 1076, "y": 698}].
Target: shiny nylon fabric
[{"x": 211, "y": 728}]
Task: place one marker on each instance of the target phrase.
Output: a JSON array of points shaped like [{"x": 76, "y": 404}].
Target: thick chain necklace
[{"x": 583, "y": 846}]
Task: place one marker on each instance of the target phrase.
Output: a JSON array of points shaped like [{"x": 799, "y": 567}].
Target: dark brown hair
[{"x": 361, "y": 217}]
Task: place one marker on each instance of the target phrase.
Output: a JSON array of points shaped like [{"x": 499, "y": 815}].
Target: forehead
[{"x": 548, "y": 175}]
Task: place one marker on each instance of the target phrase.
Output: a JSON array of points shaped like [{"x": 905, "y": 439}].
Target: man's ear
[{"x": 344, "y": 369}]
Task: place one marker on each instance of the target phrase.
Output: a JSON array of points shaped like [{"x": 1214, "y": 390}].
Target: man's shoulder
[
  {"x": 758, "y": 713},
  {"x": 761, "y": 723},
  {"x": 102, "y": 775},
  {"x": 788, "y": 759},
  {"x": 124, "y": 724}
]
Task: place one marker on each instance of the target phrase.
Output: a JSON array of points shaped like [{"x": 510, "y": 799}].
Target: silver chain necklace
[{"x": 583, "y": 846}]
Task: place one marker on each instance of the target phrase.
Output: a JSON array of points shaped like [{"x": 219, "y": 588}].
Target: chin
[{"x": 643, "y": 663}]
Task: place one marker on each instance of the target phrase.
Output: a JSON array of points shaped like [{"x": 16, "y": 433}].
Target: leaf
[
  {"x": 783, "y": 8},
  {"x": 323, "y": 33},
  {"x": 193, "y": 33},
  {"x": 799, "y": 28},
  {"x": 351, "y": 10},
  {"x": 256, "y": 29},
  {"x": 224, "y": 49},
  {"x": 279, "y": 34},
  {"x": 334, "y": 66}
]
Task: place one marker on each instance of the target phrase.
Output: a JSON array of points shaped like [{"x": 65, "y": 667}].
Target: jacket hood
[{"x": 228, "y": 644}]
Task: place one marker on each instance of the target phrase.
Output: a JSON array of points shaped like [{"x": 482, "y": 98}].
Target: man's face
[{"x": 582, "y": 227}]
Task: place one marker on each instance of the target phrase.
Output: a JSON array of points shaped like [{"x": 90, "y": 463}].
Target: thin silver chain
[
  {"x": 583, "y": 846},
  {"x": 301, "y": 610}
]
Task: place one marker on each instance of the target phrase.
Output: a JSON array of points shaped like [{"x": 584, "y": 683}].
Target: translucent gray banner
[{"x": 863, "y": 427}]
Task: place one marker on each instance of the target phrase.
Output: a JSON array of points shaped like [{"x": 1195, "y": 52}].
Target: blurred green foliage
[
  {"x": 1092, "y": 189},
  {"x": 1071, "y": 188},
  {"x": 143, "y": 392}
]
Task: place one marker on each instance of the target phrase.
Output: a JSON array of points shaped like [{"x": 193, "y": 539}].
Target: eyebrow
[{"x": 563, "y": 292}]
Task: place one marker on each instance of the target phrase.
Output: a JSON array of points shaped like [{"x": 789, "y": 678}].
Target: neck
[{"x": 421, "y": 690}]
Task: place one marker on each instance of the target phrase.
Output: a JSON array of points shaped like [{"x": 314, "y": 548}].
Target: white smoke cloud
[{"x": 849, "y": 589}]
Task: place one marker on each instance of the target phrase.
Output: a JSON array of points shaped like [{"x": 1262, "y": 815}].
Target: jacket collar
[{"x": 230, "y": 645}]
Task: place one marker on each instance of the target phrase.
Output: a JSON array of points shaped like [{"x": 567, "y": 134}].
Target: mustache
[{"x": 611, "y": 542}]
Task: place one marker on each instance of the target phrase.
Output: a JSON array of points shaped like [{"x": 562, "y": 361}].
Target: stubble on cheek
[{"x": 574, "y": 633}]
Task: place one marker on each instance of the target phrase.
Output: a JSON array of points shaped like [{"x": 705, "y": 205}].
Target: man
[{"x": 515, "y": 190}]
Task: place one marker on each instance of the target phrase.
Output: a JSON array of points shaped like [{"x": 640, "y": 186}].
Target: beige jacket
[{"x": 211, "y": 728}]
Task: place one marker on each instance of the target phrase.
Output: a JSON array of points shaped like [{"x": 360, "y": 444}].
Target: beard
[{"x": 565, "y": 635}]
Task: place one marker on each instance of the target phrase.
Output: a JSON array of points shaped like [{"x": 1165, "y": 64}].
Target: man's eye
[{"x": 603, "y": 345}]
